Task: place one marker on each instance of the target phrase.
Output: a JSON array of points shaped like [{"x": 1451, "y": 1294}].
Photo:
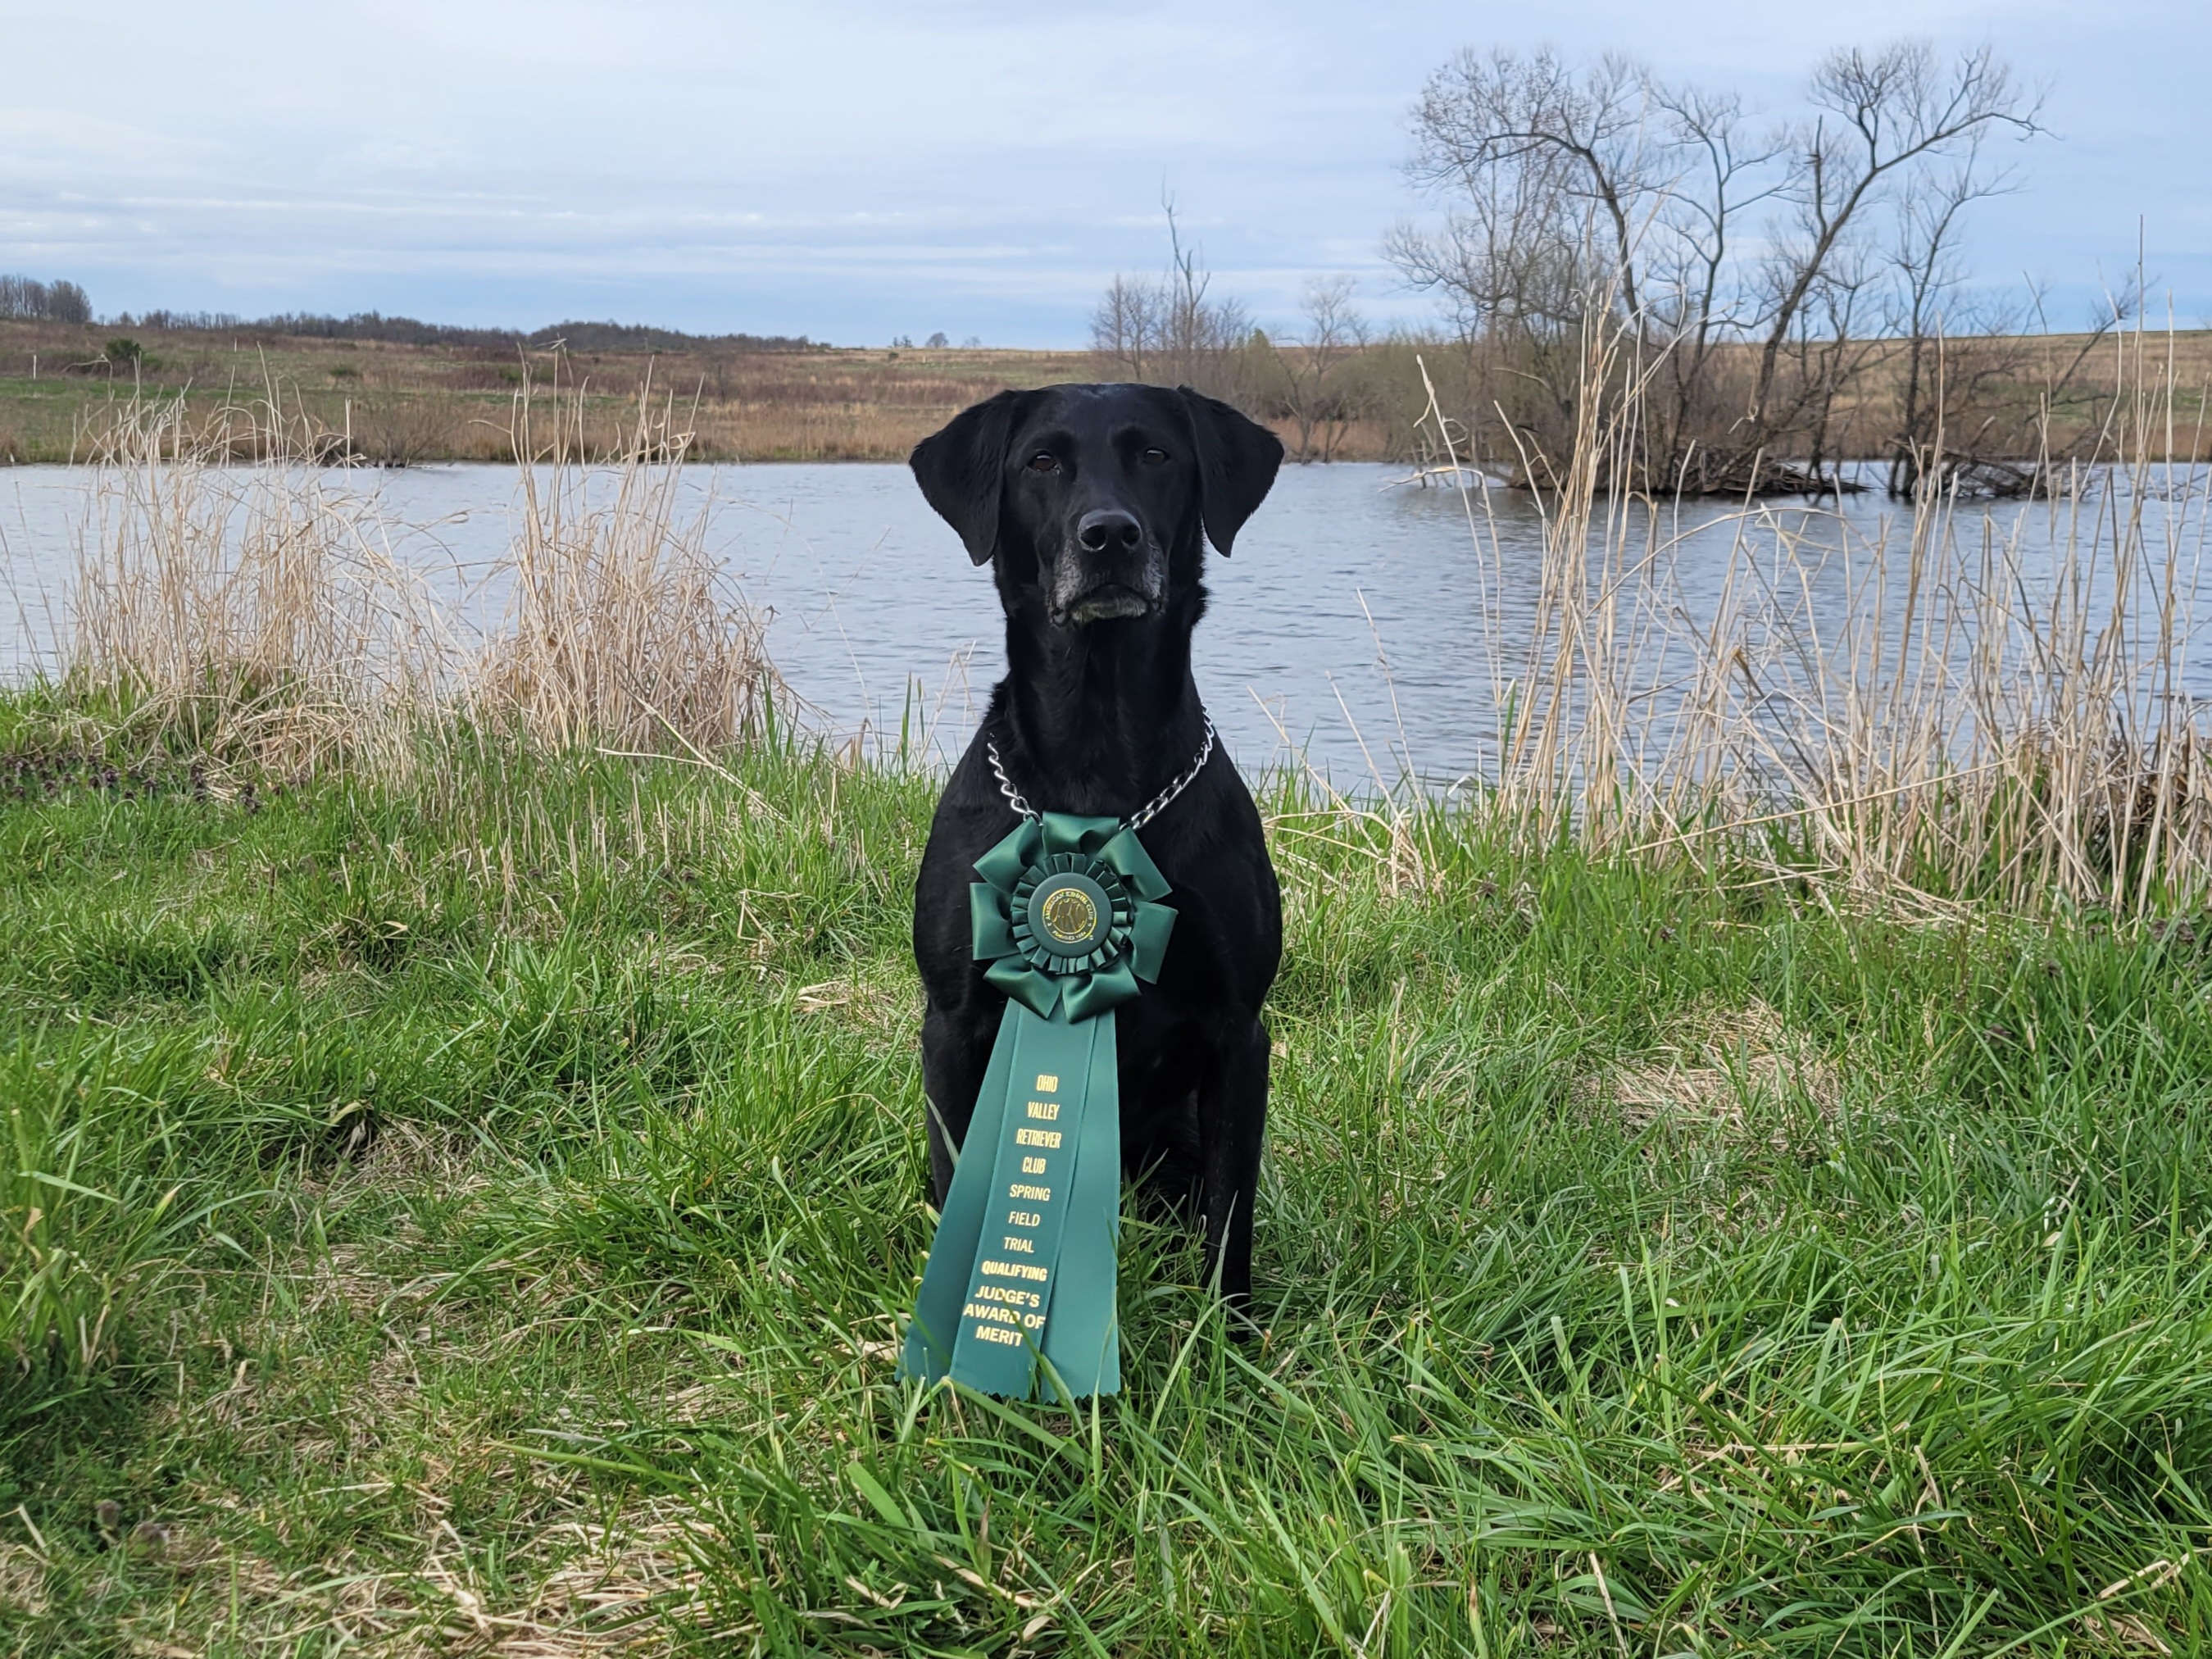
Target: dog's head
[{"x": 1094, "y": 497}]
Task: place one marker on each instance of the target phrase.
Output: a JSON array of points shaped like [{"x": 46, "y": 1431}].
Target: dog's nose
[{"x": 1109, "y": 529}]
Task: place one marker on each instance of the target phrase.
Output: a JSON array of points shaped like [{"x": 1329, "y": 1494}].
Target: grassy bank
[{"x": 472, "y": 1215}]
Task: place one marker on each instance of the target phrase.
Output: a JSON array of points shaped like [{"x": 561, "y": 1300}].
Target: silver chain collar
[{"x": 1136, "y": 820}]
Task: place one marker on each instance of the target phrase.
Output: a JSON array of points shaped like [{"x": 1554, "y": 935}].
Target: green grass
[{"x": 478, "y": 1213}]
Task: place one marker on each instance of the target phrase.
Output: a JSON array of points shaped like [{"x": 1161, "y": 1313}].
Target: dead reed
[
  {"x": 259, "y": 613},
  {"x": 623, "y": 632},
  {"x": 1963, "y": 706},
  {"x": 250, "y": 612}
]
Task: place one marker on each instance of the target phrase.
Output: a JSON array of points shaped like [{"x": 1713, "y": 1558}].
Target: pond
[{"x": 1366, "y": 625}]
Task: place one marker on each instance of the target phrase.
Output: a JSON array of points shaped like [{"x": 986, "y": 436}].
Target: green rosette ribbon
[{"x": 1068, "y": 920}]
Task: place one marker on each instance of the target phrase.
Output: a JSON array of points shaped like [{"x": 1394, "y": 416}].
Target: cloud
[{"x": 854, "y": 170}]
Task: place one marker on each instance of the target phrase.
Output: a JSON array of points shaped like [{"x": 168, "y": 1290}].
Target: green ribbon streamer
[{"x": 1023, "y": 1266}]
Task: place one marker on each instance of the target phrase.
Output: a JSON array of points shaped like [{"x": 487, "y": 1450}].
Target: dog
[{"x": 1093, "y": 505}]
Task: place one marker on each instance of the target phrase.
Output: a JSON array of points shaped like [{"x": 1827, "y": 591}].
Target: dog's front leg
[
  {"x": 1232, "y": 1123},
  {"x": 954, "y": 1054}
]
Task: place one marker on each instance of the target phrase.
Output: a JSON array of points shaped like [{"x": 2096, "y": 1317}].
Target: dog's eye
[
  {"x": 1044, "y": 461},
  {"x": 1156, "y": 457}
]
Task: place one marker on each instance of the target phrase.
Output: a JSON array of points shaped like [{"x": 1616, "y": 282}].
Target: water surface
[{"x": 1360, "y": 624}]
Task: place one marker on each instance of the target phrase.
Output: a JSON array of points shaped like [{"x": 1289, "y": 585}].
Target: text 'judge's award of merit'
[{"x": 1023, "y": 1267}]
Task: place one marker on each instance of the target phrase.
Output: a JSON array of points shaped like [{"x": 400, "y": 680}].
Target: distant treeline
[
  {"x": 410, "y": 331},
  {"x": 24, "y": 299}
]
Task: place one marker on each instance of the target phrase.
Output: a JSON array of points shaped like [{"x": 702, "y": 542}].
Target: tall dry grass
[
  {"x": 624, "y": 631},
  {"x": 1964, "y": 705},
  {"x": 260, "y": 613},
  {"x": 256, "y": 612}
]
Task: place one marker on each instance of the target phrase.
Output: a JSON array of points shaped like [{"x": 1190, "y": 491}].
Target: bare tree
[
  {"x": 23, "y": 297},
  {"x": 1723, "y": 174},
  {"x": 1565, "y": 156},
  {"x": 1880, "y": 116},
  {"x": 1126, "y": 325},
  {"x": 1967, "y": 384},
  {"x": 1172, "y": 329},
  {"x": 1830, "y": 354},
  {"x": 1603, "y": 196},
  {"x": 1201, "y": 333},
  {"x": 1931, "y": 306},
  {"x": 1313, "y": 391},
  {"x": 1552, "y": 182}
]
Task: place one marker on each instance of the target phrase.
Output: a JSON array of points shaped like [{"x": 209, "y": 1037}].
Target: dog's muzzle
[{"x": 1109, "y": 569}]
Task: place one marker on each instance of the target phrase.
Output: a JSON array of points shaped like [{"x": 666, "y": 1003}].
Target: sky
[{"x": 853, "y": 172}]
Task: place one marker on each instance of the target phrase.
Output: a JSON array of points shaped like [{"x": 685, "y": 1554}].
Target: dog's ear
[
  {"x": 962, "y": 469},
  {"x": 1237, "y": 463}
]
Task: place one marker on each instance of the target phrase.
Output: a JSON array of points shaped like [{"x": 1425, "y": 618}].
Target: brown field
[
  {"x": 2071, "y": 378},
  {"x": 393, "y": 404},
  {"x": 397, "y": 403}
]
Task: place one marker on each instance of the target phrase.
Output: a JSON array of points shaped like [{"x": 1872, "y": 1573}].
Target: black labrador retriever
[{"x": 1093, "y": 505}]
